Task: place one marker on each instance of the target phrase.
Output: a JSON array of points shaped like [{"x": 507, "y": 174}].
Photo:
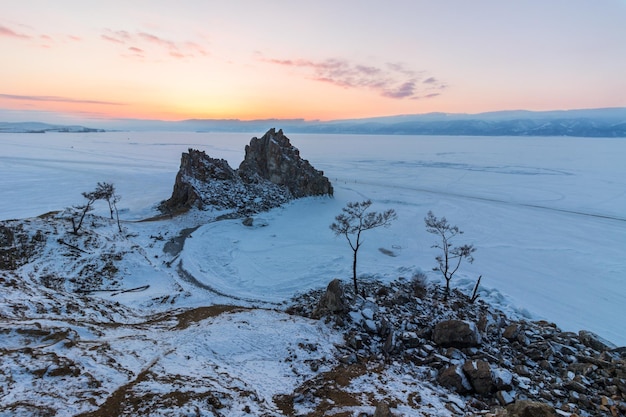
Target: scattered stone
[
  {"x": 551, "y": 368},
  {"x": 248, "y": 221}
]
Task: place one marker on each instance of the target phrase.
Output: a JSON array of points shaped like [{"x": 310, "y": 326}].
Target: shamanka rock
[
  {"x": 273, "y": 158},
  {"x": 271, "y": 174}
]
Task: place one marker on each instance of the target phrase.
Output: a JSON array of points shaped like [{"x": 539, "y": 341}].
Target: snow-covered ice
[{"x": 548, "y": 215}]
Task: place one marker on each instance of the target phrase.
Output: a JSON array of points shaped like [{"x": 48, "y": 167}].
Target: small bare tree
[
  {"x": 81, "y": 211},
  {"x": 353, "y": 221},
  {"x": 106, "y": 191},
  {"x": 450, "y": 260},
  {"x": 103, "y": 191}
]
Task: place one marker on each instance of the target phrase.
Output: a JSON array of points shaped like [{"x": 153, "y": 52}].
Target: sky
[{"x": 322, "y": 60}]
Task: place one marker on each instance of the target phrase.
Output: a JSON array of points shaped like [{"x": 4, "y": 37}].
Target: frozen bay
[{"x": 547, "y": 214}]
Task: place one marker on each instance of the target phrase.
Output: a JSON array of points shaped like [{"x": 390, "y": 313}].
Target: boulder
[
  {"x": 454, "y": 377},
  {"x": 512, "y": 331},
  {"x": 332, "y": 301},
  {"x": 594, "y": 341},
  {"x": 456, "y": 333},
  {"x": 525, "y": 408},
  {"x": 479, "y": 375}
]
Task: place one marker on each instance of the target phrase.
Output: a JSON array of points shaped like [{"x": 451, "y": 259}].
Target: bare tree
[
  {"x": 103, "y": 191},
  {"x": 82, "y": 210},
  {"x": 353, "y": 221},
  {"x": 106, "y": 191},
  {"x": 116, "y": 198},
  {"x": 450, "y": 260}
]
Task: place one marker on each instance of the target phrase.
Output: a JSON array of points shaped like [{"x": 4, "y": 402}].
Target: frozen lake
[{"x": 548, "y": 215}]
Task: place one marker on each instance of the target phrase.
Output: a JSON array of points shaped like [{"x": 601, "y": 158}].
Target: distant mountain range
[
  {"x": 37, "y": 127},
  {"x": 609, "y": 122}
]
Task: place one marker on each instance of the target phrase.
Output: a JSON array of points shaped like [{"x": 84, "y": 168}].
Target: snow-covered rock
[{"x": 271, "y": 174}]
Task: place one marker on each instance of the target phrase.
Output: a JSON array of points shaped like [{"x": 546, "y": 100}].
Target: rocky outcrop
[
  {"x": 271, "y": 174},
  {"x": 273, "y": 158},
  {"x": 197, "y": 168}
]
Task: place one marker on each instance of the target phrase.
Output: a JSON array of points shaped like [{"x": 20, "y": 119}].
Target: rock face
[
  {"x": 273, "y": 158},
  {"x": 271, "y": 174},
  {"x": 197, "y": 168}
]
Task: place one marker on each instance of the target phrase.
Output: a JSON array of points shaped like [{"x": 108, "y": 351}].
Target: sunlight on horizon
[{"x": 251, "y": 61}]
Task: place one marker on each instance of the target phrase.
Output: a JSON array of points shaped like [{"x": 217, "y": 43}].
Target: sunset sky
[{"x": 157, "y": 59}]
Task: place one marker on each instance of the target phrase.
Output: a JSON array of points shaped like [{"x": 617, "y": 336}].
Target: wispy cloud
[
  {"x": 392, "y": 80},
  {"x": 144, "y": 44},
  {"x": 5, "y": 31},
  {"x": 57, "y": 99},
  {"x": 36, "y": 38}
]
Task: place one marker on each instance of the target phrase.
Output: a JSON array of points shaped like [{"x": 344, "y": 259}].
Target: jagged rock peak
[
  {"x": 274, "y": 158},
  {"x": 271, "y": 174}
]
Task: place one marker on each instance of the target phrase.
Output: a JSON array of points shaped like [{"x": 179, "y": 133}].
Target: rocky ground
[
  {"x": 401, "y": 349},
  {"x": 498, "y": 365}
]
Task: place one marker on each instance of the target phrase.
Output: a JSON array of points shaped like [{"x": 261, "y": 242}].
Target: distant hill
[
  {"x": 608, "y": 122},
  {"x": 585, "y": 123},
  {"x": 36, "y": 127}
]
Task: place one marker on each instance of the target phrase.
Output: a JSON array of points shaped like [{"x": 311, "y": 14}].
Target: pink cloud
[
  {"x": 57, "y": 99},
  {"x": 153, "y": 44},
  {"x": 393, "y": 80},
  {"x": 5, "y": 31}
]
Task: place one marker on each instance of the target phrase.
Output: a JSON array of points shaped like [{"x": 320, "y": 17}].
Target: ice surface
[{"x": 548, "y": 215}]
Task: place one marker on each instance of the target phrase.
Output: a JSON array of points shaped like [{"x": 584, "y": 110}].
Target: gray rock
[{"x": 333, "y": 301}]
